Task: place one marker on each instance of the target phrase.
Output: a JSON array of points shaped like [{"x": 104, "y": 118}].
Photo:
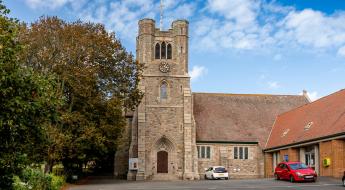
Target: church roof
[
  {"x": 319, "y": 119},
  {"x": 239, "y": 117}
]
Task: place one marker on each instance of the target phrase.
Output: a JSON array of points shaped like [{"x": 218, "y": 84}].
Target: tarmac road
[{"x": 323, "y": 183}]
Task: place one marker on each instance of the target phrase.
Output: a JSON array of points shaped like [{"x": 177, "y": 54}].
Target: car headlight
[{"x": 299, "y": 174}]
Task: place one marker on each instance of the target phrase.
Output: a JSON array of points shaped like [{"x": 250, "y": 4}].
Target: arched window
[
  {"x": 169, "y": 51},
  {"x": 163, "y": 50},
  {"x": 163, "y": 91},
  {"x": 157, "y": 51}
]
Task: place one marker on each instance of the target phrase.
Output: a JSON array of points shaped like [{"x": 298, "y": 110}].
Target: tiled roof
[
  {"x": 318, "y": 119},
  {"x": 239, "y": 117}
]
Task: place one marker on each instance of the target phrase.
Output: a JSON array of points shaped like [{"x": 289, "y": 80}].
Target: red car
[{"x": 294, "y": 171}]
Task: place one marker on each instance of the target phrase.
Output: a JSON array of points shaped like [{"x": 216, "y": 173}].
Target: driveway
[{"x": 265, "y": 184}]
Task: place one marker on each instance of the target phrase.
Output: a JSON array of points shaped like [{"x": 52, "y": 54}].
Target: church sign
[{"x": 133, "y": 164}]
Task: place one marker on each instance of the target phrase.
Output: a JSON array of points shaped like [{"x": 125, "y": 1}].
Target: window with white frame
[
  {"x": 241, "y": 153},
  {"x": 204, "y": 152}
]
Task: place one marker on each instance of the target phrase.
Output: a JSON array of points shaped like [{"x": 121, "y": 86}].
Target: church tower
[{"x": 163, "y": 139}]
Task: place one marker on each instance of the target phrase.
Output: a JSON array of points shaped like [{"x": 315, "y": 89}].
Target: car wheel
[
  {"x": 344, "y": 183},
  {"x": 292, "y": 179},
  {"x": 227, "y": 178},
  {"x": 315, "y": 179},
  {"x": 205, "y": 176},
  {"x": 276, "y": 176}
]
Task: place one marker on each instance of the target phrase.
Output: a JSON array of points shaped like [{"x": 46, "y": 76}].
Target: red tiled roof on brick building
[
  {"x": 320, "y": 119},
  {"x": 239, "y": 117}
]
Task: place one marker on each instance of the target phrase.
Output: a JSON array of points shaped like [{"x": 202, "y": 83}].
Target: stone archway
[
  {"x": 162, "y": 162},
  {"x": 164, "y": 144},
  {"x": 164, "y": 156}
]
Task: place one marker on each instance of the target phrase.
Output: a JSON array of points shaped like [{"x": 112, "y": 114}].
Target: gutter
[
  {"x": 307, "y": 142},
  {"x": 227, "y": 142}
]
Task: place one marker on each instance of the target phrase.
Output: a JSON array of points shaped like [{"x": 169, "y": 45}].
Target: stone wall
[
  {"x": 165, "y": 124},
  {"x": 223, "y": 155}
]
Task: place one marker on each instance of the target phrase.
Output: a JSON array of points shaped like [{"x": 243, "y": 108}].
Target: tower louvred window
[
  {"x": 169, "y": 51},
  {"x": 157, "y": 51},
  {"x": 163, "y": 51}
]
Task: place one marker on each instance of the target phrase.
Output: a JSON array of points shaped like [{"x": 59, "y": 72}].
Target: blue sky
[{"x": 236, "y": 46}]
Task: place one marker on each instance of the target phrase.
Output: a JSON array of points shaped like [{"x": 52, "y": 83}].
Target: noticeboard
[
  {"x": 133, "y": 164},
  {"x": 286, "y": 158}
]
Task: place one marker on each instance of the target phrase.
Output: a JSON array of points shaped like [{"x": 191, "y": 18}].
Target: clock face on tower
[{"x": 164, "y": 67}]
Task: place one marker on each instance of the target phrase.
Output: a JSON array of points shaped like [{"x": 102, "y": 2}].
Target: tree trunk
[{"x": 48, "y": 168}]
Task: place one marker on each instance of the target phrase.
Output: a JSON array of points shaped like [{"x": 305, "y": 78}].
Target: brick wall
[
  {"x": 335, "y": 151},
  {"x": 293, "y": 154},
  {"x": 325, "y": 151},
  {"x": 269, "y": 165}
]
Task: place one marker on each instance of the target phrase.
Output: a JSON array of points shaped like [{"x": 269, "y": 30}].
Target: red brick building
[{"x": 313, "y": 133}]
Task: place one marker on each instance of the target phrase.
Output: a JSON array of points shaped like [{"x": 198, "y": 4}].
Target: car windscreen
[
  {"x": 297, "y": 166},
  {"x": 220, "y": 170}
]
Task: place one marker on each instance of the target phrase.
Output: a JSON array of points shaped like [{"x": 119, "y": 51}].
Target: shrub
[
  {"x": 19, "y": 185},
  {"x": 57, "y": 182},
  {"x": 36, "y": 179}
]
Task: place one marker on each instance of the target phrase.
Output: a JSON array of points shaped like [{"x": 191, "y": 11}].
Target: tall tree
[
  {"x": 27, "y": 104},
  {"x": 99, "y": 80}
]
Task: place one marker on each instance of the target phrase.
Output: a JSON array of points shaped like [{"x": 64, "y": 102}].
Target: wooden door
[{"x": 162, "y": 162}]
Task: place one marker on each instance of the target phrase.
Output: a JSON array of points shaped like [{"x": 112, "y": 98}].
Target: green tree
[
  {"x": 99, "y": 80},
  {"x": 27, "y": 104}
]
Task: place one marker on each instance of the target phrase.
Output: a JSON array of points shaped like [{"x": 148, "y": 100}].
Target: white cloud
[
  {"x": 122, "y": 16},
  {"x": 273, "y": 7},
  {"x": 220, "y": 24},
  {"x": 178, "y": 11},
  {"x": 341, "y": 51},
  {"x": 273, "y": 84},
  {"x": 50, "y": 4},
  {"x": 237, "y": 28},
  {"x": 197, "y": 72},
  {"x": 119, "y": 16},
  {"x": 216, "y": 34},
  {"x": 242, "y": 12},
  {"x": 315, "y": 29},
  {"x": 259, "y": 24}
]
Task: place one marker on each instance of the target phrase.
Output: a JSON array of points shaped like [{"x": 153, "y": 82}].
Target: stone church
[{"x": 175, "y": 133}]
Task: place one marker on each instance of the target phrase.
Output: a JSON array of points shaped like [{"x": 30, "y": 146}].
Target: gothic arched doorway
[{"x": 162, "y": 162}]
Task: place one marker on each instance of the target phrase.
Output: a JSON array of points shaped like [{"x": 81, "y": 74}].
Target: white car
[{"x": 216, "y": 172}]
